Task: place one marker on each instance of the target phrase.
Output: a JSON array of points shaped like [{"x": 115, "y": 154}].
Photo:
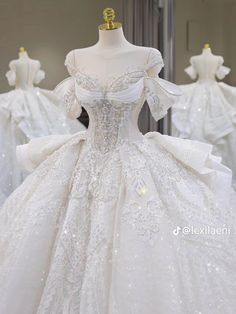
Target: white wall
[{"x": 48, "y": 29}]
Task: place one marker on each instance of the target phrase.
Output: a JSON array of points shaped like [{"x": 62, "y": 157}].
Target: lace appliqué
[{"x": 144, "y": 219}]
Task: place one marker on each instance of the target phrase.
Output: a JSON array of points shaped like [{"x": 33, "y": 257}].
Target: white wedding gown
[
  {"x": 91, "y": 230},
  {"x": 207, "y": 109},
  {"x": 25, "y": 113}
]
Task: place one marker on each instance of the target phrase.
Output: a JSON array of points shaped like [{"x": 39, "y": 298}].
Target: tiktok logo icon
[{"x": 176, "y": 231}]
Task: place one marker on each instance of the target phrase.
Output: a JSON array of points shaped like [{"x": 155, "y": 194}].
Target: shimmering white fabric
[
  {"x": 91, "y": 229},
  {"x": 26, "y": 113},
  {"x": 207, "y": 109}
]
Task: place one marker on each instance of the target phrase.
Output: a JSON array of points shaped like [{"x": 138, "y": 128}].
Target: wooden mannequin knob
[{"x": 206, "y": 46}]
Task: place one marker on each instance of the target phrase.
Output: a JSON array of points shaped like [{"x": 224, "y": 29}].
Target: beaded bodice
[
  {"x": 114, "y": 107},
  {"x": 113, "y": 110}
]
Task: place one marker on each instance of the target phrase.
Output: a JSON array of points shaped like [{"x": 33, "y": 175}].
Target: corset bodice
[{"x": 114, "y": 108}]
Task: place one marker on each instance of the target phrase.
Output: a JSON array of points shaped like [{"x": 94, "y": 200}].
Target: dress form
[
  {"x": 23, "y": 55},
  {"x": 111, "y": 55},
  {"x": 206, "y": 64},
  {"x": 25, "y": 69},
  {"x": 207, "y": 50},
  {"x": 25, "y": 113}
]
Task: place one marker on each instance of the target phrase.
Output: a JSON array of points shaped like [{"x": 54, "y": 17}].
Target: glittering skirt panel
[{"x": 94, "y": 233}]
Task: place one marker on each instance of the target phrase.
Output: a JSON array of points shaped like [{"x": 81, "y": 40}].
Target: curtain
[{"x": 144, "y": 26}]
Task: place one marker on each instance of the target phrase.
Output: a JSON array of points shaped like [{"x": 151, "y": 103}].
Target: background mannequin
[
  {"x": 207, "y": 66},
  {"x": 25, "y": 72},
  {"x": 25, "y": 113}
]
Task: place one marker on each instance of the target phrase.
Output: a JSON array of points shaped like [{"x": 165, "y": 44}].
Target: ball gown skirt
[{"x": 100, "y": 226}]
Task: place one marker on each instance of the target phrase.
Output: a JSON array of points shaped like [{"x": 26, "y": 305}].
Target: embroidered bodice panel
[
  {"x": 207, "y": 67},
  {"x": 24, "y": 73},
  {"x": 113, "y": 108},
  {"x": 113, "y": 113}
]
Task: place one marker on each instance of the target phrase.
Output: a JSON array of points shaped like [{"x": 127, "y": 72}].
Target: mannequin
[
  {"x": 112, "y": 51},
  {"x": 27, "y": 112},
  {"x": 25, "y": 69},
  {"x": 23, "y": 54}
]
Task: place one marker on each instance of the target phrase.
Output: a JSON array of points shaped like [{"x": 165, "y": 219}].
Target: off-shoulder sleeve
[
  {"x": 160, "y": 94},
  {"x": 191, "y": 71},
  {"x": 222, "y": 71},
  {"x": 11, "y": 75},
  {"x": 66, "y": 90}
]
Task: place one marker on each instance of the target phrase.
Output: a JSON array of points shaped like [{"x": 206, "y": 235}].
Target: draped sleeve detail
[
  {"x": 191, "y": 71},
  {"x": 160, "y": 94},
  {"x": 11, "y": 75},
  {"x": 222, "y": 71},
  {"x": 66, "y": 90}
]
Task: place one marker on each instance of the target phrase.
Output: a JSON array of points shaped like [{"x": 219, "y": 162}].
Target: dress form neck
[
  {"x": 23, "y": 55},
  {"x": 112, "y": 39},
  {"x": 206, "y": 51}
]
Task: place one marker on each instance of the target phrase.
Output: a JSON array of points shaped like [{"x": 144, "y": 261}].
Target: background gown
[
  {"x": 207, "y": 109},
  {"x": 25, "y": 113}
]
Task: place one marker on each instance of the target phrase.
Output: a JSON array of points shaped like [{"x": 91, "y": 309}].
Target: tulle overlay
[{"x": 107, "y": 235}]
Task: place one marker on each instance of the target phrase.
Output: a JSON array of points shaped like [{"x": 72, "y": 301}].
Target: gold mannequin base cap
[{"x": 109, "y": 16}]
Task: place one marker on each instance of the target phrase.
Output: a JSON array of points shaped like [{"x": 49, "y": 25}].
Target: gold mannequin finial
[
  {"x": 206, "y": 46},
  {"x": 109, "y": 16},
  {"x": 22, "y": 49}
]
